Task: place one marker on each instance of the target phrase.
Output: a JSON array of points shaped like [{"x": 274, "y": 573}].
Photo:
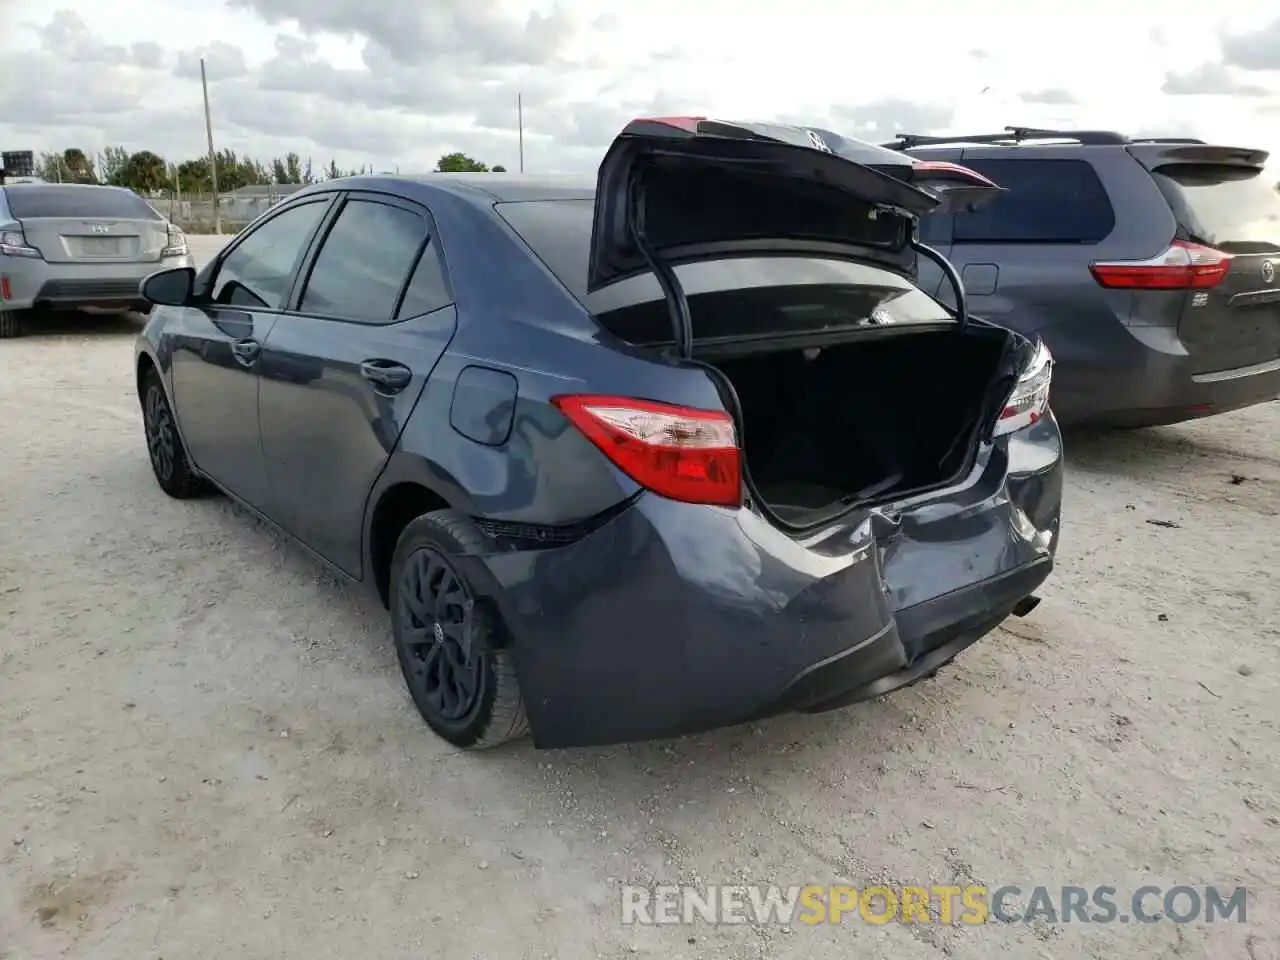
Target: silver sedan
[{"x": 67, "y": 246}]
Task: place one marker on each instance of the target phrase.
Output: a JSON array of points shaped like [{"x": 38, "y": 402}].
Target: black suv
[{"x": 1148, "y": 267}]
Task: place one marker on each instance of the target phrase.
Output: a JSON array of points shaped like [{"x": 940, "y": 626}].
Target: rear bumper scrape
[{"x": 672, "y": 618}]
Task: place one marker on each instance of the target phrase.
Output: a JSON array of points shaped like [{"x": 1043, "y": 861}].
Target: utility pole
[
  {"x": 213, "y": 157},
  {"x": 520, "y": 124}
]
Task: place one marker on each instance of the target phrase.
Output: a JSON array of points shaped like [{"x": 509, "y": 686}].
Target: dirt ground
[{"x": 206, "y": 749}]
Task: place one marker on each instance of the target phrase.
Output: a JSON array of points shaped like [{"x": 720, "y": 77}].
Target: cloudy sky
[{"x": 400, "y": 82}]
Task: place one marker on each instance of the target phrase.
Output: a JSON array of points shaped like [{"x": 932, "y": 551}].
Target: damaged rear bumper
[{"x": 673, "y": 618}]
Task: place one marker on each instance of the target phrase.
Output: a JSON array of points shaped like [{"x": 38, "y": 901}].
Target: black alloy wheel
[
  {"x": 450, "y": 640},
  {"x": 168, "y": 456},
  {"x": 436, "y": 619}
]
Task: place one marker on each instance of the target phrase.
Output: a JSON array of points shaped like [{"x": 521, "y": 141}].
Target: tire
[
  {"x": 11, "y": 323},
  {"x": 169, "y": 461},
  {"x": 450, "y": 647}
]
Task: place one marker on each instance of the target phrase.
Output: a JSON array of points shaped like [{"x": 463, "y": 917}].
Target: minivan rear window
[
  {"x": 738, "y": 297},
  {"x": 95, "y": 203},
  {"x": 1236, "y": 209}
]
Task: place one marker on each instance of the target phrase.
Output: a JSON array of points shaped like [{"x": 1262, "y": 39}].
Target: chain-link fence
[{"x": 194, "y": 212}]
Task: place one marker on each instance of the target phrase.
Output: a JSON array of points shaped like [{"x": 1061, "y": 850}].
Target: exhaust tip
[{"x": 1026, "y": 605}]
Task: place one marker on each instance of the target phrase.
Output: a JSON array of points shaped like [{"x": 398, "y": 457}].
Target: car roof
[{"x": 481, "y": 189}]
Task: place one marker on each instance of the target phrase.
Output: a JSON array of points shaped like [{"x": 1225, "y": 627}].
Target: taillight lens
[
  {"x": 679, "y": 452},
  {"x": 1183, "y": 266},
  {"x": 13, "y": 243},
  {"x": 176, "y": 245},
  {"x": 1029, "y": 401}
]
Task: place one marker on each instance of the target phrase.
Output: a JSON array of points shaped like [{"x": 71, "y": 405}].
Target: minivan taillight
[
  {"x": 678, "y": 452},
  {"x": 1183, "y": 266}
]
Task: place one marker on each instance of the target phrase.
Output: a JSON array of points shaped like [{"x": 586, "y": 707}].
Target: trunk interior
[{"x": 825, "y": 428}]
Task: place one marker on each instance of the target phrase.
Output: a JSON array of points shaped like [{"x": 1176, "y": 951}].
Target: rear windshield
[
  {"x": 739, "y": 297},
  {"x": 1236, "y": 209},
  {"x": 98, "y": 203}
]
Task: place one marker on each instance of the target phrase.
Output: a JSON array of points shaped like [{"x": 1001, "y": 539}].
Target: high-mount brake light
[
  {"x": 1182, "y": 266},
  {"x": 678, "y": 452},
  {"x": 1029, "y": 401},
  {"x": 688, "y": 124},
  {"x": 959, "y": 172}
]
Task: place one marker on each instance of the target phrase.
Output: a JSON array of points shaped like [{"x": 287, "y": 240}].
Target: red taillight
[
  {"x": 5, "y": 292},
  {"x": 678, "y": 452},
  {"x": 1183, "y": 266}
]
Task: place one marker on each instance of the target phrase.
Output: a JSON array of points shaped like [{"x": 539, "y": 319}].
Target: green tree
[
  {"x": 111, "y": 164},
  {"x": 193, "y": 176},
  {"x": 78, "y": 167},
  {"x": 287, "y": 169},
  {"x": 145, "y": 172},
  {"x": 49, "y": 167},
  {"x": 460, "y": 163}
]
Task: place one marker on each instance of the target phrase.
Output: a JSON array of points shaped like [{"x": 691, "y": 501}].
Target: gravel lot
[{"x": 206, "y": 749}]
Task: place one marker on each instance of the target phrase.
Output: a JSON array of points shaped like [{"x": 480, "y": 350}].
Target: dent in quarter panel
[{"x": 484, "y": 405}]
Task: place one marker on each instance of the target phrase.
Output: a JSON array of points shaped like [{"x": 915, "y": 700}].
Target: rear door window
[
  {"x": 559, "y": 234},
  {"x": 1047, "y": 201},
  {"x": 428, "y": 288},
  {"x": 364, "y": 262},
  {"x": 95, "y": 203},
  {"x": 1235, "y": 209},
  {"x": 258, "y": 272}
]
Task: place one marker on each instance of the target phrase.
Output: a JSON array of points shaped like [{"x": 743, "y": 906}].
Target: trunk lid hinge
[
  {"x": 950, "y": 272},
  {"x": 672, "y": 290}
]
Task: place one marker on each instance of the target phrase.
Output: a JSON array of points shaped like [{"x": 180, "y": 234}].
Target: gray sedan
[{"x": 67, "y": 246}]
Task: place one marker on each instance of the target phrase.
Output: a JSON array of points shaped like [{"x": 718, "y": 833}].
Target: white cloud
[{"x": 400, "y": 82}]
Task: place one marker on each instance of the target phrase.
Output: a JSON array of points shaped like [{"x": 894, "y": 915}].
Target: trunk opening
[{"x": 828, "y": 428}]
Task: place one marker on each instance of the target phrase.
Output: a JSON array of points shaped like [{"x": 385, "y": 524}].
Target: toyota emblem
[{"x": 1268, "y": 271}]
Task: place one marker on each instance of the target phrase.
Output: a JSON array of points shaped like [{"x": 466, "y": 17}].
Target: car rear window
[
  {"x": 1047, "y": 201},
  {"x": 1236, "y": 209},
  {"x": 738, "y": 297},
  {"x": 51, "y": 200},
  {"x": 559, "y": 232}
]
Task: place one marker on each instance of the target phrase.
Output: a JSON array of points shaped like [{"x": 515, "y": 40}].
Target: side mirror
[{"x": 169, "y": 288}]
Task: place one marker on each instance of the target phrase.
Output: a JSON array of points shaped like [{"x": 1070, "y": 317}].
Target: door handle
[
  {"x": 386, "y": 374},
  {"x": 246, "y": 351}
]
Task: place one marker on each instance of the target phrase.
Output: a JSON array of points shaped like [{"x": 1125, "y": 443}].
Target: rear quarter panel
[{"x": 515, "y": 318}]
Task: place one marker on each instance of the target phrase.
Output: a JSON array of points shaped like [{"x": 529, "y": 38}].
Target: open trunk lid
[
  {"x": 675, "y": 190},
  {"x": 82, "y": 224},
  {"x": 1224, "y": 200},
  {"x": 690, "y": 188}
]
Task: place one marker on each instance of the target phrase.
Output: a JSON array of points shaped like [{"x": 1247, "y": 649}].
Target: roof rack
[
  {"x": 1015, "y": 135},
  {"x": 906, "y": 141}
]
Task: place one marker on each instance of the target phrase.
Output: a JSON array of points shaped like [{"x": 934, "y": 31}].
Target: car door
[
  {"x": 342, "y": 371},
  {"x": 217, "y": 345}
]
